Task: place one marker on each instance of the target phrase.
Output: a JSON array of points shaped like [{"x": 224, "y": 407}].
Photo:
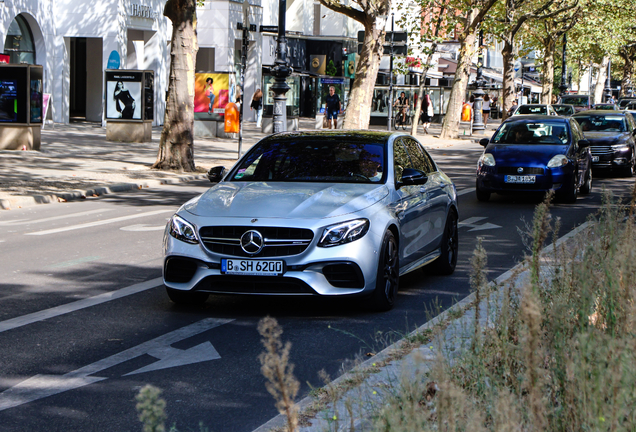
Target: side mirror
[
  {"x": 411, "y": 176},
  {"x": 216, "y": 174},
  {"x": 484, "y": 142},
  {"x": 584, "y": 143}
]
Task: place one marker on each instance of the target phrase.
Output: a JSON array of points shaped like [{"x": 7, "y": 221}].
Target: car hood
[
  {"x": 285, "y": 200},
  {"x": 527, "y": 155},
  {"x": 606, "y": 138}
]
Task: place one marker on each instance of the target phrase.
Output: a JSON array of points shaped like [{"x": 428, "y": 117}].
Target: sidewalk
[{"x": 76, "y": 161}]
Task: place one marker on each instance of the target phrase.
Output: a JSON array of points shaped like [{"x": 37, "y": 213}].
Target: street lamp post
[
  {"x": 563, "y": 88},
  {"x": 388, "y": 123},
  {"x": 608, "y": 88},
  {"x": 280, "y": 71},
  {"x": 478, "y": 121}
]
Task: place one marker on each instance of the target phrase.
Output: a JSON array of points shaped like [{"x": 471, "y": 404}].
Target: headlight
[
  {"x": 182, "y": 230},
  {"x": 558, "y": 161},
  {"x": 620, "y": 148},
  {"x": 486, "y": 159},
  {"x": 344, "y": 232}
]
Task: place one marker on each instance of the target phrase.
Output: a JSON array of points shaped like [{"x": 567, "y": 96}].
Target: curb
[
  {"x": 79, "y": 194},
  {"x": 369, "y": 368}
]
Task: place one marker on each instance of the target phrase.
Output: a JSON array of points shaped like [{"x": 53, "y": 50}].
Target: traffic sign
[
  {"x": 397, "y": 49},
  {"x": 269, "y": 28},
  {"x": 398, "y": 37}
]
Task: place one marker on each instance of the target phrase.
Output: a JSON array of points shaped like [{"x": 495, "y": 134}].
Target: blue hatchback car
[{"x": 535, "y": 153}]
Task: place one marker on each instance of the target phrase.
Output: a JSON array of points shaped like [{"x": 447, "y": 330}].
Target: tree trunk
[
  {"x": 509, "y": 90},
  {"x": 450, "y": 125},
  {"x": 628, "y": 69},
  {"x": 547, "y": 74},
  {"x": 358, "y": 111},
  {"x": 420, "y": 96},
  {"x": 176, "y": 148},
  {"x": 600, "y": 81}
]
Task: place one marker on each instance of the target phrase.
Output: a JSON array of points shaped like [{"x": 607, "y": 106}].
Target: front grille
[
  {"x": 601, "y": 150},
  {"x": 226, "y": 240},
  {"x": 253, "y": 285},
  {"x": 514, "y": 170},
  {"x": 347, "y": 275},
  {"x": 179, "y": 270}
]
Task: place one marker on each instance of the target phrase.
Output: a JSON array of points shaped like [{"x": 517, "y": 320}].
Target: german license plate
[
  {"x": 520, "y": 179},
  {"x": 252, "y": 267},
  {"x": 594, "y": 158}
]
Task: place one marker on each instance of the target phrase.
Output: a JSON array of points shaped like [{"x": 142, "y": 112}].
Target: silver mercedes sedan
[{"x": 330, "y": 213}]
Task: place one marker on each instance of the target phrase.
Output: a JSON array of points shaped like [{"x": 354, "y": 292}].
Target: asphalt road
[{"x": 85, "y": 321}]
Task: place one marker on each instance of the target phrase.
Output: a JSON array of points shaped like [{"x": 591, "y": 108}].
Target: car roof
[
  {"x": 599, "y": 112},
  {"x": 535, "y": 117},
  {"x": 371, "y": 135}
]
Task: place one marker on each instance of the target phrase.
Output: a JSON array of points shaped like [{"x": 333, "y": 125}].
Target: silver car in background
[{"x": 333, "y": 213}]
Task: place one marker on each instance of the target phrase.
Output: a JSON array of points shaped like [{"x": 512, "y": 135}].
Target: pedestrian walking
[
  {"x": 427, "y": 112},
  {"x": 332, "y": 107},
  {"x": 486, "y": 109},
  {"x": 257, "y": 105}
]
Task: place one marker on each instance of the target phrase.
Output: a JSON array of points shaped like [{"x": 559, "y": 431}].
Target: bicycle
[{"x": 401, "y": 119}]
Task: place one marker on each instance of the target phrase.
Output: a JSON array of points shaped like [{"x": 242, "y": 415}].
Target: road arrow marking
[
  {"x": 41, "y": 386},
  {"x": 143, "y": 227},
  {"x": 472, "y": 223}
]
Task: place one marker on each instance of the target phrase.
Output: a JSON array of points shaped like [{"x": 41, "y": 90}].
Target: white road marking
[
  {"x": 143, "y": 227},
  {"x": 34, "y": 317},
  {"x": 27, "y": 221},
  {"x": 41, "y": 386},
  {"x": 97, "y": 223},
  {"x": 472, "y": 223},
  {"x": 465, "y": 191}
]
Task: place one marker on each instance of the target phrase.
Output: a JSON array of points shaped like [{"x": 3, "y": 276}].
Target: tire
[
  {"x": 387, "y": 279},
  {"x": 628, "y": 171},
  {"x": 447, "y": 261},
  {"x": 186, "y": 298},
  {"x": 482, "y": 195},
  {"x": 571, "y": 193},
  {"x": 586, "y": 188}
]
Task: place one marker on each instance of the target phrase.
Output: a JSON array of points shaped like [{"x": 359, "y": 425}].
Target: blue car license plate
[
  {"x": 252, "y": 267},
  {"x": 527, "y": 179}
]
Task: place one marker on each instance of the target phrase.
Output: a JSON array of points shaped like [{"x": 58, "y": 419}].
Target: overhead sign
[
  {"x": 398, "y": 37},
  {"x": 41, "y": 386}
]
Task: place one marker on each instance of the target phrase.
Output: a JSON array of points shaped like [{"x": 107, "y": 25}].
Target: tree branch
[{"x": 336, "y": 6}]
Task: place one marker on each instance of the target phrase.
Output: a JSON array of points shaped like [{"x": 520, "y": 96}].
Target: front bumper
[
  {"x": 489, "y": 179},
  {"x": 604, "y": 157},
  {"x": 348, "y": 269}
]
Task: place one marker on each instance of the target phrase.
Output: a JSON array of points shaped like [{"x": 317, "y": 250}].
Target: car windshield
[
  {"x": 602, "y": 123},
  {"x": 563, "y": 109},
  {"x": 532, "y": 109},
  {"x": 532, "y": 132},
  {"x": 604, "y": 106},
  {"x": 623, "y": 103},
  {"x": 328, "y": 160},
  {"x": 574, "y": 100}
]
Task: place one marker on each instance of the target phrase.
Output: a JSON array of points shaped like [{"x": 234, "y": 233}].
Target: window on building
[
  {"x": 19, "y": 42},
  {"x": 205, "y": 60}
]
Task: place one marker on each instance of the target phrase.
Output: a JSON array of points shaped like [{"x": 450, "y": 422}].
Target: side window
[
  {"x": 421, "y": 160},
  {"x": 401, "y": 159}
]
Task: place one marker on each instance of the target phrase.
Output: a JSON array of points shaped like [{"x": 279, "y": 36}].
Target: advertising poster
[
  {"x": 36, "y": 101},
  {"x": 123, "y": 95},
  {"x": 323, "y": 92},
  {"x": 212, "y": 92},
  {"x": 8, "y": 101}
]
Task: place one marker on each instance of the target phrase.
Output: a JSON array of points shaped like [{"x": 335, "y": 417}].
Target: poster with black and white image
[{"x": 123, "y": 95}]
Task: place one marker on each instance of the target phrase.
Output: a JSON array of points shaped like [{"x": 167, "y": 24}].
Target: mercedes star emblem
[
  {"x": 519, "y": 170},
  {"x": 252, "y": 242}
]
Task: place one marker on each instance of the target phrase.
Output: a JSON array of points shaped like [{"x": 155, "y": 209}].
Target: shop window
[{"x": 19, "y": 42}]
